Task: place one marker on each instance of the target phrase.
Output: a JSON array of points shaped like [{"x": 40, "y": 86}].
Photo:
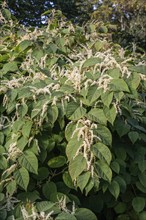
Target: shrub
[{"x": 73, "y": 124}]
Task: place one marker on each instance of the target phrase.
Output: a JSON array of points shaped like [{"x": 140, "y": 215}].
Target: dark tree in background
[
  {"x": 29, "y": 12},
  {"x": 129, "y": 17}
]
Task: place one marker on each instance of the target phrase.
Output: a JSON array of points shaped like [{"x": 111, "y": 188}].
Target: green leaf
[
  {"x": 6, "y": 13},
  {"x": 85, "y": 214},
  {"x": 122, "y": 183},
  {"x": 2, "y": 196},
  {"x": 38, "y": 54},
  {"x": 110, "y": 114},
  {"x": 140, "y": 187},
  {"x": 65, "y": 216},
  {"x": 28, "y": 196},
  {"x": 3, "y": 214},
  {"x": 104, "y": 134},
  {"x": 115, "y": 167},
  {"x": 69, "y": 130},
  {"x": 57, "y": 162},
  {"x": 135, "y": 81},
  {"x": 22, "y": 177},
  {"x": 3, "y": 163},
  {"x": 134, "y": 136},
  {"x": 22, "y": 142},
  {"x": 121, "y": 127},
  {"x": 97, "y": 115},
  {"x": 77, "y": 166},
  {"x": 99, "y": 45},
  {"x": 118, "y": 85},
  {"x": 74, "y": 111},
  {"x": 114, "y": 73},
  {"x": 22, "y": 110},
  {"x": 2, "y": 149},
  {"x": 26, "y": 129},
  {"x": 29, "y": 161},
  {"x": 89, "y": 186},
  {"x": 142, "y": 165},
  {"x": 18, "y": 125},
  {"x": 107, "y": 98},
  {"x": 104, "y": 170},
  {"x": 23, "y": 45},
  {"x": 2, "y": 137},
  {"x": 120, "y": 208},
  {"x": 9, "y": 67},
  {"x": 44, "y": 206},
  {"x": 138, "y": 204},
  {"x": 91, "y": 62},
  {"x": 73, "y": 146},
  {"x": 35, "y": 112},
  {"x": 55, "y": 113},
  {"x": 142, "y": 178},
  {"x": 114, "y": 189},
  {"x": 52, "y": 114},
  {"x": 120, "y": 153},
  {"x": 101, "y": 151},
  {"x": 67, "y": 180},
  {"x": 82, "y": 180},
  {"x": 138, "y": 69},
  {"x": 48, "y": 189},
  {"x": 11, "y": 187},
  {"x": 93, "y": 94},
  {"x": 43, "y": 173},
  {"x": 103, "y": 29},
  {"x": 142, "y": 215}
]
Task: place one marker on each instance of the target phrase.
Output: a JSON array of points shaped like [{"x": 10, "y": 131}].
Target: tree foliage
[
  {"x": 129, "y": 18},
  {"x": 30, "y": 12},
  {"x": 126, "y": 20},
  {"x": 73, "y": 123}
]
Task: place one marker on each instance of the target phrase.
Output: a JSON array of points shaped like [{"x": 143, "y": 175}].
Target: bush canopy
[{"x": 73, "y": 123}]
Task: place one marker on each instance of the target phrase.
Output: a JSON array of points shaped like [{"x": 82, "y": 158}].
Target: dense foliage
[
  {"x": 29, "y": 12},
  {"x": 127, "y": 19},
  {"x": 73, "y": 124}
]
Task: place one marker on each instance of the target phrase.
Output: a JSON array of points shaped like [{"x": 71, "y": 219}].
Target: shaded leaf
[
  {"x": 56, "y": 162},
  {"x": 101, "y": 151},
  {"x": 104, "y": 170},
  {"x": 85, "y": 214},
  {"x": 138, "y": 69},
  {"x": 138, "y": 203},
  {"x": 134, "y": 136},
  {"x": 65, "y": 216},
  {"x": 67, "y": 180},
  {"x": 114, "y": 189}
]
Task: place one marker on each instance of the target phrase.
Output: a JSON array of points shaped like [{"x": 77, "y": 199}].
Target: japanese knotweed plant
[{"x": 73, "y": 120}]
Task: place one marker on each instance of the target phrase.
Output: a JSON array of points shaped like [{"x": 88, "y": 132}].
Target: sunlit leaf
[
  {"x": 22, "y": 177},
  {"x": 29, "y": 161},
  {"x": 77, "y": 166}
]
